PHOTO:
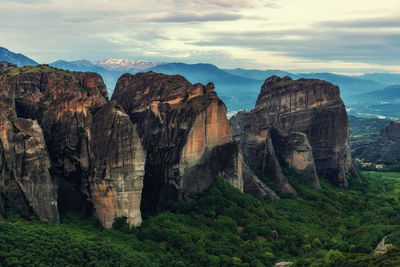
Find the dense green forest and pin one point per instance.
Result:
(224, 227)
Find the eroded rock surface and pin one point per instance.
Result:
(51, 122)
(116, 182)
(24, 160)
(296, 151)
(303, 109)
(254, 186)
(185, 133)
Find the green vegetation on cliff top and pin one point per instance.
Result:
(224, 227)
(27, 69)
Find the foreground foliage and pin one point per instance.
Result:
(224, 227)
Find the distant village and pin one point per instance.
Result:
(369, 164)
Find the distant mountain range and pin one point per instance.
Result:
(17, 59)
(385, 102)
(125, 65)
(239, 88)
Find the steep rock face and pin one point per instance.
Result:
(296, 151)
(2, 213)
(62, 105)
(307, 106)
(24, 161)
(254, 186)
(385, 147)
(185, 133)
(258, 149)
(116, 182)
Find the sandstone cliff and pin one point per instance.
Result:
(309, 127)
(24, 160)
(384, 147)
(185, 133)
(116, 182)
(51, 123)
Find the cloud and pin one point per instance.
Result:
(222, 32)
(182, 17)
(382, 22)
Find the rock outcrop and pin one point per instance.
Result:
(185, 133)
(384, 147)
(382, 247)
(305, 120)
(51, 124)
(295, 150)
(254, 186)
(2, 213)
(24, 160)
(116, 182)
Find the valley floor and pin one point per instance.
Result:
(224, 227)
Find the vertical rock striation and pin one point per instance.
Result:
(116, 182)
(24, 160)
(51, 122)
(309, 114)
(185, 133)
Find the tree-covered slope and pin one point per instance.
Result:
(225, 227)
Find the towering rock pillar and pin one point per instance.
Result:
(310, 114)
(185, 133)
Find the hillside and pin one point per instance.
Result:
(223, 227)
(390, 94)
(365, 128)
(14, 58)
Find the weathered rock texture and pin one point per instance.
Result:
(185, 133)
(306, 113)
(2, 212)
(116, 182)
(24, 161)
(254, 186)
(296, 151)
(385, 147)
(382, 247)
(51, 122)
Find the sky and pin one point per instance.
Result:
(341, 36)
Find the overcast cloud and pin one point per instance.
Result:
(297, 35)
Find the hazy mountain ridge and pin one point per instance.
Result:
(238, 88)
(14, 58)
(384, 103)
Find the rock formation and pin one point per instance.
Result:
(185, 133)
(116, 183)
(384, 147)
(24, 161)
(1, 208)
(254, 186)
(305, 120)
(382, 247)
(51, 122)
(65, 146)
(296, 151)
